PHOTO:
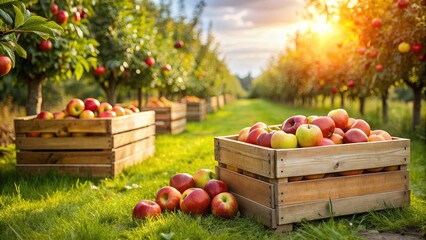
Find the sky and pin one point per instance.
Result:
(250, 32)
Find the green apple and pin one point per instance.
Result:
(309, 135)
(280, 139)
(202, 176)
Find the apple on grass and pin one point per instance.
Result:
(326, 124)
(340, 117)
(291, 124)
(91, 104)
(202, 176)
(75, 107)
(146, 209)
(281, 139)
(224, 205)
(309, 135)
(168, 198)
(214, 187)
(242, 135)
(182, 181)
(195, 201)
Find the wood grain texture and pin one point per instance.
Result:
(265, 215)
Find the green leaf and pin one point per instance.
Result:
(6, 17)
(20, 51)
(79, 70)
(19, 17)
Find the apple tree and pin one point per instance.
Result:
(68, 56)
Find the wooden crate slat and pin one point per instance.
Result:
(64, 157)
(341, 187)
(342, 157)
(133, 159)
(178, 111)
(64, 143)
(133, 136)
(257, 160)
(342, 206)
(196, 111)
(81, 170)
(256, 190)
(124, 151)
(220, 101)
(266, 216)
(132, 121)
(30, 124)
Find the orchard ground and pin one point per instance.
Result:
(64, 207)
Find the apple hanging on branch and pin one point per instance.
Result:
(5, 65)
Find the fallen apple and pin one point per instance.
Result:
(202, 176)
(214, 187)
(224, 205)
(182, 181)
(146, 209)
(195, 201)
(168, 198)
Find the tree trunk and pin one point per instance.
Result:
(342, 100)
(34, 97)
(110, 92)
(417, 107)
(362, 105)
(385, 107)
(332, 101)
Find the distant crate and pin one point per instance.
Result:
(269, 183)
(170, 120)
(220, 101)
(229, 98)
(99, 147)
(212, 104)
(196, 111)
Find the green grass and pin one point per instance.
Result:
(51, 206)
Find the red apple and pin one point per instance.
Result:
(351, 84)
(33, 134)
(254, 134)
(54, 8)
(403, 4)
(264, 139)
(149, 61)
(202, 176)
(133, 108)
(362, 50)
(107, 114)
(242, 135)
(91, 104)
(166, 68)
(340, 117)
(99, 71)
(62, 17)
(373, 54)
(59, 115)
(311, 118)
(421, 58)
(168, 198)
(348, 126)
(326, 124)
(178, 44)
(119, 110)
(182, 181)
(224, 205)
(363, 125)
(416, 48)
(339, 131)
(355, 135)
(104, 106)
(214, 187)
(308, 135)
(75, 107)
(336, 138)
(87, 114)
(45, 45)
(77, 16)
(5, 65)
(334, 90)
(45, 115)
(281, 139)
(146, 209)
(382, 133)
(258, 125)
(379, 67)
(326, 142)
(291, 124)
(195, 201)
(376, 23)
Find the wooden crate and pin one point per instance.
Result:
(170, 120)
(263, 179)
(196, 111)
(104, 147)
(220, 101)
(212, 104)
(229, 98)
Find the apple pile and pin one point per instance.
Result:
(159, 102)
(87, 109)
(196, 195)
(302, 131)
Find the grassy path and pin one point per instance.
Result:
(60, 207)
